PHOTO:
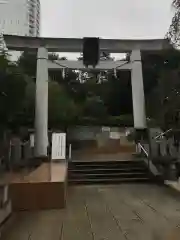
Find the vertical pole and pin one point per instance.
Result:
(41, 111)
(138, 91)
(70, 151)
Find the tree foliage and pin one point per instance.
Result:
(12, 91)
(71, 100)
(174, 30)
(94, 107)
(161, 79)
(27, 63)
(62, 109)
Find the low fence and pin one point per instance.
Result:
(17, 153)
(21, 153)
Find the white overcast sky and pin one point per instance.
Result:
(105, 18)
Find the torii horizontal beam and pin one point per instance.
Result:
(20, 43)
(103, 65)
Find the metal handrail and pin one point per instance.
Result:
(163, 134)
(144, 150)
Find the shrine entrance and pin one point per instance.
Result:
(43, 45)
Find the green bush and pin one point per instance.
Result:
(120, 121)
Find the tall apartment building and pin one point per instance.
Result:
(20, 17)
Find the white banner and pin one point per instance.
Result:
(58, 146)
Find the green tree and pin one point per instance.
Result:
(12, 91)
(174, 30)
(95, 108)
(161, 80)
(27, 115)
(27, 62)
(62, 109)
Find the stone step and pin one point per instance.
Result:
(110, 181)
(104, 171)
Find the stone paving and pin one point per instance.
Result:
(117, 212)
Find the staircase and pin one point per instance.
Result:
(108, 172)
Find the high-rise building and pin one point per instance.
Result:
(20, 17)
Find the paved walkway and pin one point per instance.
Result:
(121, 212)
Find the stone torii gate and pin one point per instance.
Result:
(43, 45)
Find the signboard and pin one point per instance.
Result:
(58, 146)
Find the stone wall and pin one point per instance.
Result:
(104, 139)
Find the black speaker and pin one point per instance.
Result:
(90, 51)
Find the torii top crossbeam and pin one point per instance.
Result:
(20, 43)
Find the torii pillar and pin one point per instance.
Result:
(138, 91)
(41, 105)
